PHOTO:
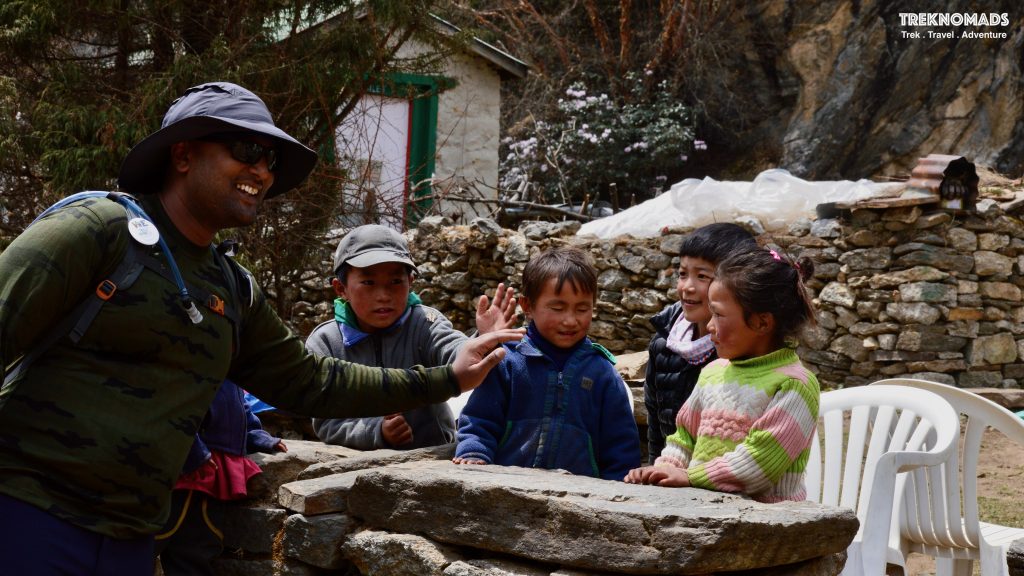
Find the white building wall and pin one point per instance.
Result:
(468, 134)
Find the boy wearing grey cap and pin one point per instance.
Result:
(380, 321)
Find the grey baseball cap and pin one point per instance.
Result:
(208, 109)
(372, 244)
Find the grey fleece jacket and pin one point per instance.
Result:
(426, 338)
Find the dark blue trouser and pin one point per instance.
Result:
(32, 541)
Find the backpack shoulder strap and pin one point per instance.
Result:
(240, 281)
(137, 256)
(69, 200)
(78, 320)
(240, 285)
(122, 277)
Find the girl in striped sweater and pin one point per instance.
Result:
(747, 426)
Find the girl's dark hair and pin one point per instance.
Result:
(766, 280)
(565, 263)
(715, 242)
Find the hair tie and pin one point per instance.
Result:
(775, 255)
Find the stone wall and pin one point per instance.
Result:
(919, 292)
(458, 263)
(909, 291)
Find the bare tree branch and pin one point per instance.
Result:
(625, 35)
(608, 62)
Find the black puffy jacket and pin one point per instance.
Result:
(668, 382)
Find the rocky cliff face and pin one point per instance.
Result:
(842, 89)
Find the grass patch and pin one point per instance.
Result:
(1005, 511)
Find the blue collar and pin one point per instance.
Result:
(540, 344)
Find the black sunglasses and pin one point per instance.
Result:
(245, 151)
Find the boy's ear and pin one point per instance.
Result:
(525, 305)
(763, 323)
(339, 288)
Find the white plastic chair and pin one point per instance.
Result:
(939, 516)
(867, 436)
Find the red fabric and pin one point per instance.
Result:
(223, 476)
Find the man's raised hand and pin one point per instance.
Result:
(478, 355)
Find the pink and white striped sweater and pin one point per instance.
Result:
(747, 427)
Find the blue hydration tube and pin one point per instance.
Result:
(135, 211)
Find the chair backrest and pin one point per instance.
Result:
(940, 505)
(868, 435)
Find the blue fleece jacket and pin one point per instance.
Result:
(229, 427)
(527, 413)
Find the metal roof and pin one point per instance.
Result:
(504, 61)
(506, 64)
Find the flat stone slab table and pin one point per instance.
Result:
(590, 524)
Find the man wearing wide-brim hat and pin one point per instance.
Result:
(96, 426)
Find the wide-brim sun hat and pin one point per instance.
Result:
(211, 108)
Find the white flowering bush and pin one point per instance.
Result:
(592, 141)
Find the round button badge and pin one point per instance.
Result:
(143, 231)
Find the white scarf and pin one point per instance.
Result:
(682, 339)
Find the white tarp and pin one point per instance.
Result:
(776, 198)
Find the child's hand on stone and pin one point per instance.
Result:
(396, 430)
(669, 476)
(459, 460)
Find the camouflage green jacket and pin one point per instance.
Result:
(96, 432)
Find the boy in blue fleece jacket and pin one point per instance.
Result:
(555, 401)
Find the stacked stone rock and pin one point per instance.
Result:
(458, 263)
(916, 292)
(909, 291)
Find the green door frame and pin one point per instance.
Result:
(422, 91)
